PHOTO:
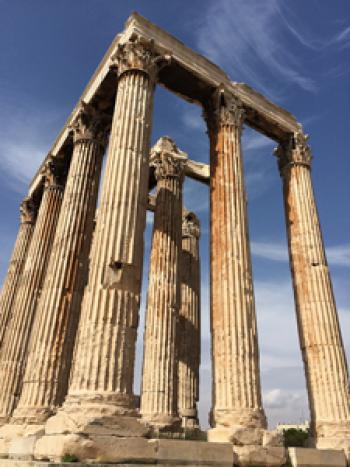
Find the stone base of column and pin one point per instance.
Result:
(189, 419)
(136, 451)
(68, 433)
(31, 416)
(333, 435)
(229, 425)
(4, 421)
(197, 454)
(88, 420)
(101, 404)
(162, 425)
(19, 440)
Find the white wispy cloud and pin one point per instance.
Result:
(246, 37)
(25, 137)
(270, 251)
(262, 43)
(193, 119)
(337, 255)
(257, 154)
(254, 141)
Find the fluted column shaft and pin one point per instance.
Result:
(105, 349)
(236, 377)
(159, 376)
(188, 339)
(19, 254)
(13, 354)
(46, 376)
(319, 331)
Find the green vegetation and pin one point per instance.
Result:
(69, 458)
(295, 437)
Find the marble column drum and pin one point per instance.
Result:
(13, 354)
(236, 376)
(188, 333)
(319, 331)
(101, 382)
(28, 211)
(46, 377)
(159, 374)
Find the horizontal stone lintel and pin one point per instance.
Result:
(191, 76)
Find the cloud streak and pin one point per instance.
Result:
(25, 138)
(262, 43)
(337, 255)
(248, 37)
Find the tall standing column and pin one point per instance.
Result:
(13, 354)
(320, 336)
(46, 376)
(102, 378)
(188, 339)
(236, 377)
(8, 293)
(159, 375)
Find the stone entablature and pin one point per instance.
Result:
(261, 113)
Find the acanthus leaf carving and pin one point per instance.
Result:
(139, 54)
(54, 172)
(190, 225)
(224, 109)
(90, 124)
(28, 211)
(167, 159)
(295, 151)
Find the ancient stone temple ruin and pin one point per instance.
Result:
(70, 301)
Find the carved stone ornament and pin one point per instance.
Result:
(167, 159)
(90, 124)
(224, 109)
(28, 211)
(139, 54)
(190, 225)
(54, 172)
(294, 152)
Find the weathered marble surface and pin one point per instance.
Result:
(321, 342)
(159, 402)
(13, 353)
(236, 377)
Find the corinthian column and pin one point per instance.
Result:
(159, 376)
(188, 341)
(46, 376)
(19, 254)
(101, 382)
(320, 336)
(13, 354)
(236, 379)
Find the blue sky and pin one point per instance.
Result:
(297, 53)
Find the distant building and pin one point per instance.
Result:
(298, 426)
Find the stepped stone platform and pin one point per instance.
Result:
(173, 453)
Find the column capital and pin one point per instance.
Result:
(139, 54)
(190, 225)
(295, 151)
(91, 125)
(54, 172)
(224, 109)
(167, 159)
(28, 211)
